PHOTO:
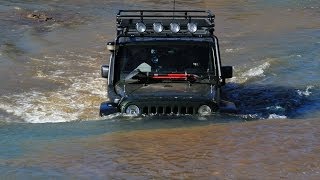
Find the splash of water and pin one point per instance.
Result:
(78, 97)
(80, 101)
(306, 92)
(243, 76)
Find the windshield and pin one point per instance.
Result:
(165, 58)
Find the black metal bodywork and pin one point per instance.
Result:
(169, 96)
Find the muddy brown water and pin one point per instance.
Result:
(247, 150)
(50, 91)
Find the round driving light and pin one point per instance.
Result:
(133, 110)
(174, 27)
(157, 27)
(204, 110)
(141, 27)
(192, 27)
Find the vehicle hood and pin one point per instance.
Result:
(165, 90)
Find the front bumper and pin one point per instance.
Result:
(168, 107)
(161, 106)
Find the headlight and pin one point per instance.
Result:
(133, 110)
(192, 27)
(174, 27)
(141, 27)
(204, 110)
(157, 27)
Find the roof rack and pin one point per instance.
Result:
(128, 20)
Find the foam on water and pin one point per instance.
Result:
(78, 97)
(306, 92)
(256, 71)
(243, 75)
(230, 50)
(17, 8)
(80, 101)
(275, 116)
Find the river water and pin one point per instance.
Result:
(50, 92)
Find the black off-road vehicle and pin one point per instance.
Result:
(165, 62)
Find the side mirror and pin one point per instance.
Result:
(104, 71)
(111, 46)
(226, 72)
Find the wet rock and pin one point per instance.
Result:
(40, 17)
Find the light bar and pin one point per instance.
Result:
(169, 22)
(174, 27)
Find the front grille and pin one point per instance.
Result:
(169, 109)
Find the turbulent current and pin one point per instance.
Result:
(50, 92)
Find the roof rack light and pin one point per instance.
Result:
(141, 27)
(192, 27)
(174, 27)
(157, 27)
